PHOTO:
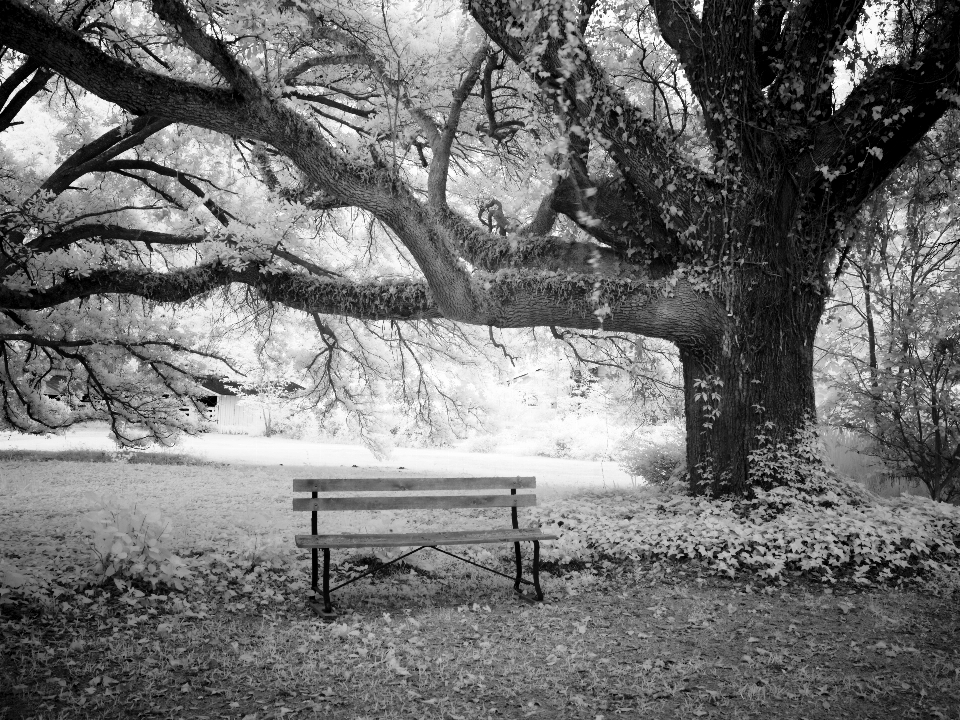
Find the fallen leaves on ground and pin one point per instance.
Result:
(467, 648)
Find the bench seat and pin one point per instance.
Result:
(426, 539)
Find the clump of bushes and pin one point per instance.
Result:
(836, 531)
(131, 551)
(130, 545)
(651, 454)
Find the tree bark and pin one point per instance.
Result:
(750, 392)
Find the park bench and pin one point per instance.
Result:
(342, 494)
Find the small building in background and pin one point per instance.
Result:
(231, 410)
(237, 411)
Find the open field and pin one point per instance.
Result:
(639, 639)
(246, 450)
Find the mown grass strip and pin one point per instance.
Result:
(102, 456)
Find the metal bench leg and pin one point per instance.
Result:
(325, 611)
(327, 607)
(516, 585)
(536, 569)
(314, 574)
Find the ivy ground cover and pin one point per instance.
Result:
(642, 634)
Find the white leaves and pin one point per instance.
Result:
(129, 543)
(10, 577)
(787, 530)
(394, 665)
(829, 174)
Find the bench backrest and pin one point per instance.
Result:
(415, 500)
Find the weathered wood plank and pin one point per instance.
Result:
(460, 537)
(411, 483)
(417, 502)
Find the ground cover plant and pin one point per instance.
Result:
(628, 630)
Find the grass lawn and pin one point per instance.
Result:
(645, 639)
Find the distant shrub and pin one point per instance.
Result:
(164, 458)
(652, 453)
(480, 444)
(129, 545)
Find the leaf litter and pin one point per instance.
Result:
(658, 640)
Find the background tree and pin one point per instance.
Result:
(707, 213)
(897, 313)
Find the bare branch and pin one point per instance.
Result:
(222, 216)
(328, 102)
(325, 61)
(109, 145)
(441, 145)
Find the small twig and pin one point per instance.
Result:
(501, 347)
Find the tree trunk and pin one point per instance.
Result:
(749, 396)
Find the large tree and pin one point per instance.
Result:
(707, 160)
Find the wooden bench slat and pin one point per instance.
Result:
(416, 502)
(460, 537)
(411, 483)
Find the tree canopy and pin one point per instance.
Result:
(678, 170)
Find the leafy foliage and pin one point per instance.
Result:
(129, 545)
(837, 531)
(892, 346)
(653, 454)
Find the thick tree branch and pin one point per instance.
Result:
(184, 179)
(616, 218)
(730, 98)
(812, 34)
(139, 91)
(291, 75)
(520, 300)
(37, 83)
(263, 119)
(109, 145)
(214, 51)
(768, 48)
(886, 115)
(16, 78)
(443, 142)
(48, 242)
(328, 102)
(578, 87)
(374, 301)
